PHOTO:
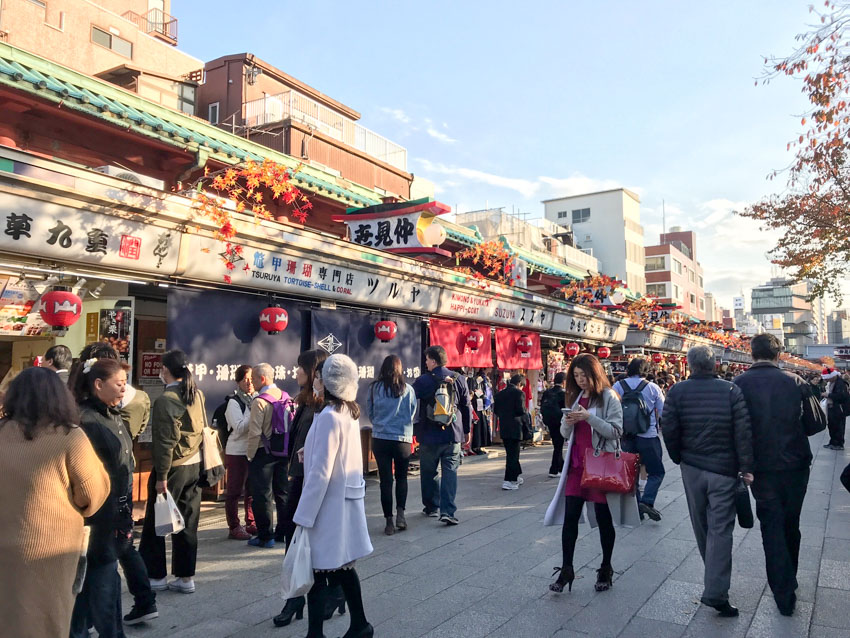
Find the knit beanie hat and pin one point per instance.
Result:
(340, 377)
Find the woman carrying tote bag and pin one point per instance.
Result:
(594, 421)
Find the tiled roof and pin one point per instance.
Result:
(98, 98)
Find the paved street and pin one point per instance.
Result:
(489, 576)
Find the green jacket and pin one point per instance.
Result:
(137, 413)
(177, 431)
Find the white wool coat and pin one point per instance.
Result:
(606, 421)
(332, 502)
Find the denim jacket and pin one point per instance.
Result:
(392, 417)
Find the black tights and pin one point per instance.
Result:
(569, 533)
(350, 583)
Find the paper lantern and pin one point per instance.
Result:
(474, 339)
(385, 330)
(673, 358)
(524, 345)
(657, 357)
(274, 319)
(573, 349)
(604, 352)
(60, 308)
(618, 297)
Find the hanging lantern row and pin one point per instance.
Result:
(60, 308)
(474, 339)
(274, 319)
(604, 352)
(385, 330)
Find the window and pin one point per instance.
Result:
(676, 292)
(581, 215)
(186, 98)
(691, 276)
(693, 299)
(656, 263)
(677, 266)
(700, 282)
(657, 290)
(39, 3)
(563, 214)
(212, 113)
(112, 41)
(702, 304)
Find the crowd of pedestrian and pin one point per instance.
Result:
(67, 432)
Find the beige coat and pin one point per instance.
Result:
(49, 484)
(606, 421)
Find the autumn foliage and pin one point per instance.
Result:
(491, 261)
(814, 213)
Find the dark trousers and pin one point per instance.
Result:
(651, 458)
(512, 467)
(389, 453)
(779, 500)
(237, 479)
(98, 605)
(286, 526)
(557, 465)
(136, 575)
(481, 432)
(837, 423)
(325, 586)
(267, 478)
(184, 489)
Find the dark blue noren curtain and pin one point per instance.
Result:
(353, 333)
(221, 330)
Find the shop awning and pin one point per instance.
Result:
(452, 335)
(509, 350)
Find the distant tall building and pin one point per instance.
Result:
(838, 327)
(674, 275)
(713, 311)
(606, 225)
(782, 304)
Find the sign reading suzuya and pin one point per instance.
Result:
(406, 227)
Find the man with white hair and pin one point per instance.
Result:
(267, 472)
(706, 428)
(837, 397)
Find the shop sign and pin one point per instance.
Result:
(589, 327)
(398, 227)
(116, 329)
(43, 229)
(151, 366)
(841, 353)
(17, 316)
(454, 303)
(656, 340)
(311, 277)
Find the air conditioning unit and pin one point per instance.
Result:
(130, 176)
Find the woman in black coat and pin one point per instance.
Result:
(509, 408)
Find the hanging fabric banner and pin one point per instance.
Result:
(518, 350)
(467, 344)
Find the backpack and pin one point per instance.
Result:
(550, 405)
(219, 421)
(283, 413)
(636, 414)
(441, 409)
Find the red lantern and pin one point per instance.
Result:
(604, 352)
(524, 345)
(657, 357)
(274, 319)
(673, 359)
(60, 308)
(573, 349)
(474, 339)
(385, 330)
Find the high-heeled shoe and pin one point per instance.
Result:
(333, 604)
(566, 577)
(367, 631)
(603, 578)
(294, 607)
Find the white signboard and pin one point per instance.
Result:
(391, 232)
(737, 303)
(655, 339)
(35, 227)
(580, 326)
(315, 278)
(455, 303)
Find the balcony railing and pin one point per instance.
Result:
(156, 23)
(298, 107)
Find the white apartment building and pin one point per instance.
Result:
(606, 224)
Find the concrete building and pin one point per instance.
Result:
(131, 43)
(712, 308)
(674, 275)
(784, 304)
(838, 327)
(606, 225)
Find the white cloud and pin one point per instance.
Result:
(525, 187)
(439, 135)
(397, 114)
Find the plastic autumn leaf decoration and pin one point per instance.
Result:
(814, 214)
(244, 189)
(490, 261)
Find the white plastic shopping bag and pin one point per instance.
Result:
(297, 577)
(167, 518)
(824, 406)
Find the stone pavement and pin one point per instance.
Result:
(489, 576)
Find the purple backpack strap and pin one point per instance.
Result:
(263, 438)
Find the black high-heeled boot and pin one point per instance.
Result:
(335, 601)
(364, 632)
(603, 578)
(566, 577)
(294, 607)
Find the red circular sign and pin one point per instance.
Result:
(385, 330)
(60, 308)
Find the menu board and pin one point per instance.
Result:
(18, 312)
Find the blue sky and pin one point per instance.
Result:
(506, 104)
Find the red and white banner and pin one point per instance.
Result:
(511, 357)
(452, 335)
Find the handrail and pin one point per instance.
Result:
(155, 21)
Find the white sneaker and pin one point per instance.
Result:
(520, 480)
(183, 586)
(159, 584)
(555, 475)
(510, 485)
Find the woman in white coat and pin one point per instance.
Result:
(595, 419)
(332, 508)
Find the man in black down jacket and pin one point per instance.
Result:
(707, 431)
(509, 408)
(780, 412)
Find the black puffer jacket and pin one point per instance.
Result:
(706, 425)
(775, 403)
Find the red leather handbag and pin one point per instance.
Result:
(610, 471)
